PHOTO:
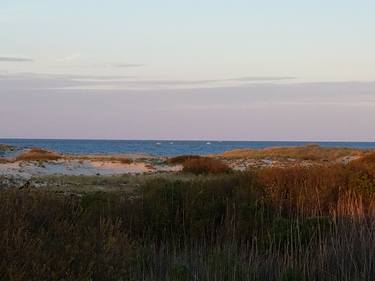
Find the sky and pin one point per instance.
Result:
(217, 70)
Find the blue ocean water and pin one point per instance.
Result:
(161, 147)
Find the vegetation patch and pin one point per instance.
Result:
(38, 154)
(308, 152)
(109, 158)
(6, 147)
(295, 223)
(205, 165)
(182, 158)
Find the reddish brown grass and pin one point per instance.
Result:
(182, 158)
(205, 165)
(37, 154)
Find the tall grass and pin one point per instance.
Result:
(306, 223)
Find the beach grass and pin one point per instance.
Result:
(308, 152)
(38, 154)
(296, 223)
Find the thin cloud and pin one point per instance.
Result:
(263, 78)
(15, 59)
(124, 65)
(70, 58)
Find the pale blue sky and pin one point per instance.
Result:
(250, 70)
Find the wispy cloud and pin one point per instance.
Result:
(124, 65)
(125, 82)
(15, 59)
(70, 58)
(263, 78)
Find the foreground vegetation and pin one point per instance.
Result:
(297, 223)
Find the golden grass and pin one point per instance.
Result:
(309, 152)
(368, 158)
(37, 154)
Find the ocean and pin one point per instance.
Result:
(161, 147)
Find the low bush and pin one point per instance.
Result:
(205, 165)
(182, 158)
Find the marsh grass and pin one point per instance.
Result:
(299, 223)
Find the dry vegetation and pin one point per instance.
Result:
(5, 147)
(200, 165)
(37, 154)
(297, 223)
(205, 165)
(107, 158)
(181, 159)
(309, 152)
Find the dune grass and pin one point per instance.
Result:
(297, 223)
(309, 152)
(38, 154)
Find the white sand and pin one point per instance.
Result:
(79, 167)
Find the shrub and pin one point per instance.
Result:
(205, 165)
(182, 158)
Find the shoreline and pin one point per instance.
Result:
(24, 165)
